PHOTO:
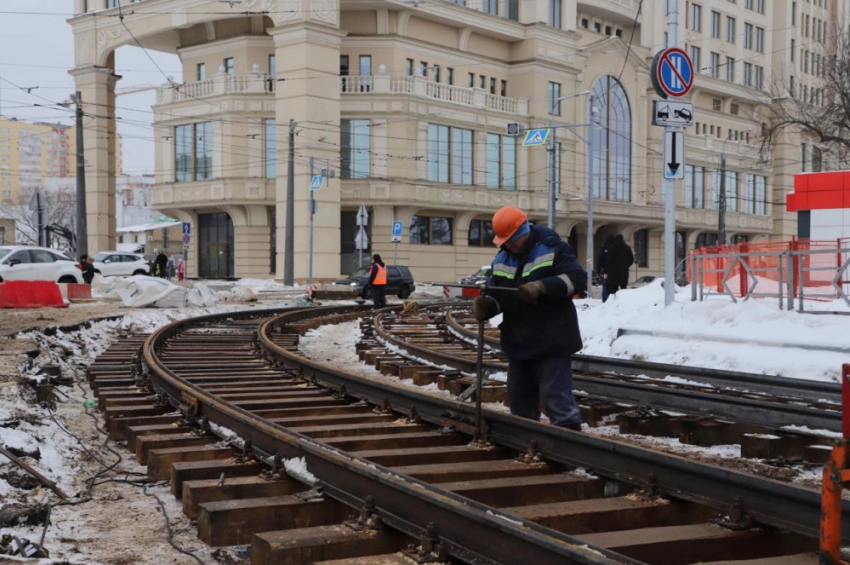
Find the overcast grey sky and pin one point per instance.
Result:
(36, 49)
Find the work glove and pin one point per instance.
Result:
(531, 292)
(484, 308)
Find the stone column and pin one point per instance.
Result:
(97, 88)
(307, 44)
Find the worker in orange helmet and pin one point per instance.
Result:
(539, 329)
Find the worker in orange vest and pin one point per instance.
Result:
(378, 281)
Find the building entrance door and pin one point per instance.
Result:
(215, 238)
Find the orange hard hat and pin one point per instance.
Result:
(506, 221)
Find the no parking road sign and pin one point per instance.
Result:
(672, 73)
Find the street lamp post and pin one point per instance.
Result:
(591, 134)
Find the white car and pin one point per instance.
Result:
(120, 264)
(21, 263)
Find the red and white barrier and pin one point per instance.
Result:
(71, 292)
(31, 294)
(455, 292)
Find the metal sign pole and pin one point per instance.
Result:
(591, 131)
(310, 252)
(670, 185)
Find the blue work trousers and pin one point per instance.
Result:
(549, 379)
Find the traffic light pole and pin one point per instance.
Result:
(670, 184)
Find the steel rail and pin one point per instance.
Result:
(745, 382)
(768, 501)
(471, 532)
(748, 407)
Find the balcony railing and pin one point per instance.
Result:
(417, 86)
(219, 85)
(423, 88)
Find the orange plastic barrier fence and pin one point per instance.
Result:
(763, 260)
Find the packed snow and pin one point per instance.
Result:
(755, 319)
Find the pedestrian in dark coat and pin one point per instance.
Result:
(621, 260)
(539, 329)
(603, 265)
(378, 282)
(88, 268)
(162, 264)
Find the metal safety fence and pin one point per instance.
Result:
(808, 275)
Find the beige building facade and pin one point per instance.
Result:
(408, 103)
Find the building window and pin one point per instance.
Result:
(365, 73)
(555, 7)
(748, 74)
(761, 195)
(461, 150)
(730, 29)
(202, 71)
(501, 161)
(408, 67)
(748, 199)
(431, 230)
(228, 65)
(760, 40)
(272, 66)
(480, 233)
(449, 155)
(694, 186)
(193, 152)
(612, 143)
(344, 67)
(642, 248)
(271, 148)
(482, 81)
(504, 90)
(471, 80)
(817, 159)
(490, 6)
(585, 23)
(748, 36)
(731, 191)
(554, 98)
(437, 73)
(450, 76)
(696, 17)
(355, 149)
(696, 57)
(730, 69)
(715, 65)
(715, 25)
(759, 77)
(492, 85)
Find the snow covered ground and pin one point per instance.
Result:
(753, 320)
(122, 524)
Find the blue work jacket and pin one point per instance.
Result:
(549, 328)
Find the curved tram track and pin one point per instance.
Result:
(402, 461)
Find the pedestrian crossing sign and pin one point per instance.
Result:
(535, 137)
(317, 182)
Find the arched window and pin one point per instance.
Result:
(612, 154)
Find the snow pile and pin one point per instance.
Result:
(297, 468)
(142, 290)
(239, 294)
(719, 317)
